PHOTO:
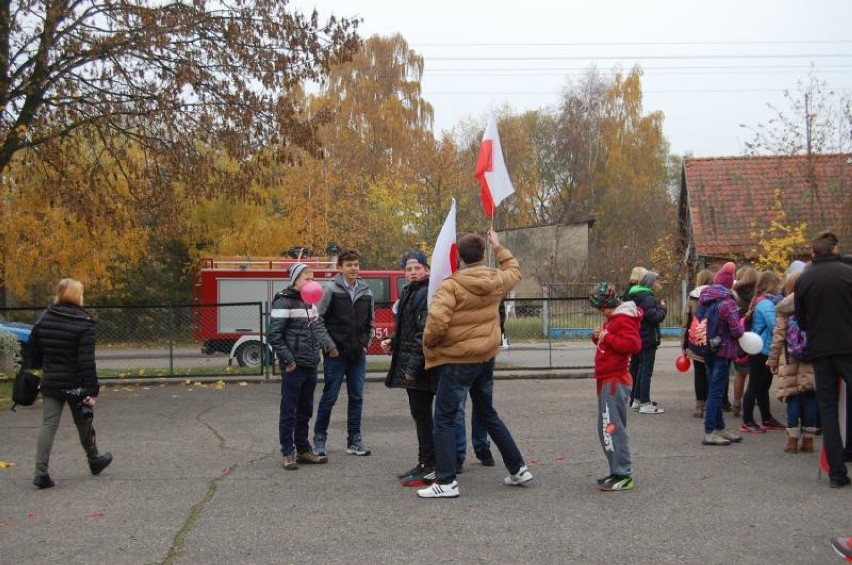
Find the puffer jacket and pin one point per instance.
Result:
(344, 323)
(463, 325)
(654, 314)
(407, 344)
(63, 344)
(292, 330)
(763, 319)
(621, 340)
(794, 376)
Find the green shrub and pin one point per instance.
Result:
(10, 352)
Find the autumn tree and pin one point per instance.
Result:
(159, 72)
(366, 180)
(129, 109)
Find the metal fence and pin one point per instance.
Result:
(220, 340)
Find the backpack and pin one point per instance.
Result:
(706, 328)
(24, 389)
(696, 339)
(797, 340)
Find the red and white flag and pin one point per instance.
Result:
(444, 257)
(494, 182)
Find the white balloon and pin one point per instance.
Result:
(751, 343)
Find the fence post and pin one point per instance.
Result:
(172, 343)
(545, 311)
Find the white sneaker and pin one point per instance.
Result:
(636, 405)
(440, 491)
(519, 479)
(650, 408)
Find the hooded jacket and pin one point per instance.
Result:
(407, 356)
(620, 341)
(729, 329)
(63, 345)
(292, 330)
(654, 314)
(794, 376)
(463, 325)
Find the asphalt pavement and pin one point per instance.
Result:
(197, 479)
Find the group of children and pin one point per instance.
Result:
(763, 304)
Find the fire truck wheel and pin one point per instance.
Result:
(249, 354)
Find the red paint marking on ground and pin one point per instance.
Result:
(95, 515)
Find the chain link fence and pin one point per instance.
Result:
(220, 340)
(173, 341)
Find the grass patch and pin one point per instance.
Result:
(6, 392)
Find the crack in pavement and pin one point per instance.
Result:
(198, 507)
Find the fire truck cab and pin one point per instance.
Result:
(221, 284)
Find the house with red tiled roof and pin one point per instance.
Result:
(727, 202)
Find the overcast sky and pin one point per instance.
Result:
(709, 66)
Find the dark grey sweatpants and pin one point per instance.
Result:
(612, 428)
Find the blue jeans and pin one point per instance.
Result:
(297, 405)
(642, 369)
(334, 370)
(478, 433)
(718, 369)
(456, 381)
(802, 408)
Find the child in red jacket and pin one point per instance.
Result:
(616, 339)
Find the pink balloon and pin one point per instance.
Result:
(311, 292)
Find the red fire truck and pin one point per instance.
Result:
(222, 282)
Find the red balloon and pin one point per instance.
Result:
(683, 363)
(311, 292)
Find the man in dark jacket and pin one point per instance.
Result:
(407, 364)
(642, 365)
(345, 329)
(293, 338)
(823, 303)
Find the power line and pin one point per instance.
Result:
(631, 43)
(640, 57)
(427, 93)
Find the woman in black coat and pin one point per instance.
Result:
(63, 345)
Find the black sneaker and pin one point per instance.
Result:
(617, 483)
(410, 471)
(424, 477)
(43, 481)
(838, 483)
(100, 463)
(602, 480)
(485, 457)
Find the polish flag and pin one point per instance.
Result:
(444, 258)
(494, 182)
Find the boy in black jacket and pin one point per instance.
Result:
(293, 338)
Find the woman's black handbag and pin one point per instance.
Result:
(25, 389)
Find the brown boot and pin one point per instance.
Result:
(808, 441)
(792, 445)
(699, 409)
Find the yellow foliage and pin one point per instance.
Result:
(780, 242)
